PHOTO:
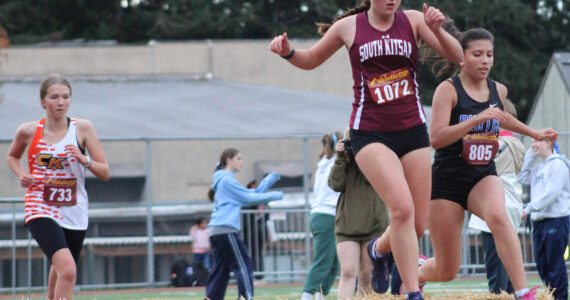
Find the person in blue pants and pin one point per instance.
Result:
(547, 172)
(230, 252)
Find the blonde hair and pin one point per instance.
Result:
(329, 142)
(347, 153)
(510, 108)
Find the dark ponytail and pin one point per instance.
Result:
(228, 153)
(440, 65)
(211, 194)
(363, 6)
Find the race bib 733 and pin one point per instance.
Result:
(60, 191)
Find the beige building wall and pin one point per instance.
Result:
(253, 62)
(186, 172)
(245, 61)
(163, 59)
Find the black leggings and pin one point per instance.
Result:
(51, 237)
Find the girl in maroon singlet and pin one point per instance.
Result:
(467, 111)
(389, 137)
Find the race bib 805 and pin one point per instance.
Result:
(480, 148)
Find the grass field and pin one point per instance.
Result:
(458, 287)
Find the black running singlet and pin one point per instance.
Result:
(465, 109)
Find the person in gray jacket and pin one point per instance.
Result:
(547, 172)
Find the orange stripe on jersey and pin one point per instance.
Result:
(34, 201)
(61, 154)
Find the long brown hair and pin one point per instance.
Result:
(440, 65)
(363, 6)
(228, 153)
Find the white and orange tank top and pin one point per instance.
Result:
(58, 191)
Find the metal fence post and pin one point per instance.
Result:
(29, 265)
(210, 73)
(149, 219)
(13, 250)
(46, 266)
(306, 192)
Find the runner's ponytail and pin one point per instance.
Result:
(363, 6)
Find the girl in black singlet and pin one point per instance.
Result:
(467, 111)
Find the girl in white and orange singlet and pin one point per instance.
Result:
(388, 131)
(56, 200)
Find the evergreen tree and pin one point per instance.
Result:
(527, 32)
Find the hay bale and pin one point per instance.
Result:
(468, 295)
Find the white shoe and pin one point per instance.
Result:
(306, 296)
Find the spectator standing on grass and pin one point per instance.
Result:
(230, 252)
(547, 172)
(360, 216)
(201, 243)
(324, 268)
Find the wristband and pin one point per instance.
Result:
(89, 162)
(290, 55)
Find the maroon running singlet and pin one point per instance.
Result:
(384, 70)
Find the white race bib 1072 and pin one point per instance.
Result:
(391, 86)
